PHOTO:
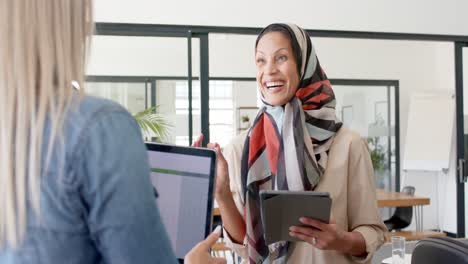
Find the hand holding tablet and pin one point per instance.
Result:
(282, 209)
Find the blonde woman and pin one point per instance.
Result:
(74, 178)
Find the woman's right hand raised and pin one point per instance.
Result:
(222, 190)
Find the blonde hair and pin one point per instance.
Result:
(42, 50)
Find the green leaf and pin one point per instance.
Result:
(153, 124)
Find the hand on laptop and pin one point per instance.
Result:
(200, 254)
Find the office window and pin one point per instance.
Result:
(370, 110)
(221, 110)
(132, 95)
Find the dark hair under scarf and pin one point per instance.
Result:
(289, 35)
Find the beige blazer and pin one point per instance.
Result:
(349, 178)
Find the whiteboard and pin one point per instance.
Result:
(429, 132)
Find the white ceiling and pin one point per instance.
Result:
(406, 16)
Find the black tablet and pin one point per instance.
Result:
(282, 209)
(183, 178)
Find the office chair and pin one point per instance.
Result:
(440, 250)
(402, 216)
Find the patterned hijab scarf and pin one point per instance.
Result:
(287, 146)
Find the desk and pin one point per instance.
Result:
(414, 235)
(216, 211)
(396, 199)
(390, 259)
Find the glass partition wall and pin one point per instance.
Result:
(370, 108)
(123, 69)
(127, 69)
(148, 65)
(140, 72)
(133, 93)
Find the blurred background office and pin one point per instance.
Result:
(193, 62)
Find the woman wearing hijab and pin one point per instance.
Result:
(297, 143)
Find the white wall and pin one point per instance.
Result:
(141, 56)
(232, 55)
(415, 16)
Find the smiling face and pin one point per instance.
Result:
(277, 74)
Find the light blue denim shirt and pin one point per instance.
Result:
(97, 202)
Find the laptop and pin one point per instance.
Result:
(183, 179)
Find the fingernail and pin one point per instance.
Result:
(217, 230)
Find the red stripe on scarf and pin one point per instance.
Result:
(318, 98)
(272, 143)
(256, 141)
(305, 91)
(263, 134)
(324, 95)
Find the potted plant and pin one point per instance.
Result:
(379, 161)
(379, 155)
(153, 125)
(245, 122)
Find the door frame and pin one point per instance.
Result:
(462, 171)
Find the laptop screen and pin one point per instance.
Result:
(183, 179)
